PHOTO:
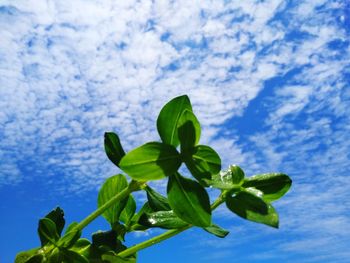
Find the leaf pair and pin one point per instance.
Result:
(154, 160)
(250, 198)
(176, 125)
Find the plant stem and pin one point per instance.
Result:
(132, 187)
(168, 234)
(152, 241)
(219, 200)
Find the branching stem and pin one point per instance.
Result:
(132, 187)
(168, 234)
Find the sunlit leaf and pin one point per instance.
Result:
(203, 163)
(237, 174)
(129, 210)
(169, 116)
(47, 231)
(230, 179)
(151, 161)
(253, 208)
(156, 201)
(216, 230)
(111, 187)
(189, 200)
(272, 185)
(162, 219)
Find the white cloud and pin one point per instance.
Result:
(70, 71)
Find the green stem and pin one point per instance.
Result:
(132, 187)
(152, 241)
(168, 234)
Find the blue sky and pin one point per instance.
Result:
(269, 81)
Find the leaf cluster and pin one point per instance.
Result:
(186, 203)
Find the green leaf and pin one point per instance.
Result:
(273, 185)
(111, 257)
(71, 226)
(82, 246)
(57, 216)
(47, 231)
(156, 201)
(151, 161)
(251, 207)
(120, 230)
(129, 210)
(189, 200)
(135, 226)
(23, 256)
(230, 179)
(144, 209)
(107, 240)
(111, 187)
(36, 259)
(169, 116)
(189, 130)
(237, 174)
(73, 257)
(216, 230)
(113, 147)
(204, 163)
(162, 219)
(69, 238)
(56, 256)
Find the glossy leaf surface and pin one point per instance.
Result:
(227, 180)
(237, 174)
(203, 163)
(217, 231)
(169, 116)
(156, 201)
(47, 231)
(111, 187)
(189, 130)
(162, 219)
(113, 147)
(129, 210)
(273, 185)
(251, 207)
(189, 200)
(151, 161)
